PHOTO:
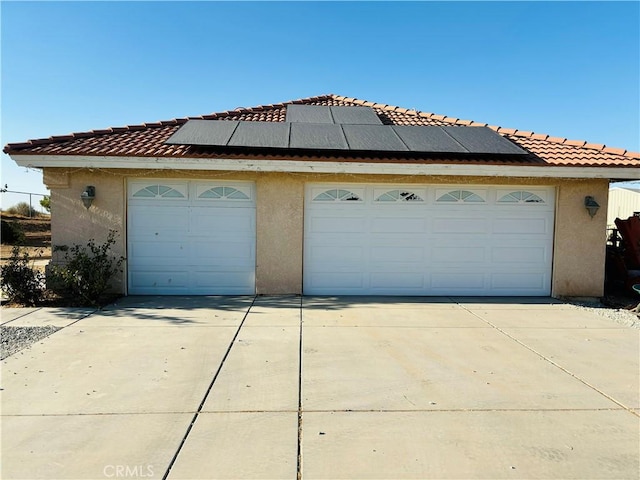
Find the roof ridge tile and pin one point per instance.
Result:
(540, 136)
(617, 151)
(595, 146)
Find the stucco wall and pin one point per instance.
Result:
(279, 218)
(72, 223)
(579, 244)
(580, 241)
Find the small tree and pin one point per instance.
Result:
(46, 203)
(88, 271)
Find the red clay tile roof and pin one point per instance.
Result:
(147, 140)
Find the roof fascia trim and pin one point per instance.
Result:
(297, 166)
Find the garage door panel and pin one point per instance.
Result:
(521, 254)
(337, 225)
(397, 225)
(399, 280)
(519, 226)
(458, 280)
(215, 248)
(170, 218)
(160, 279)
(466, 245)
(397, 254)
(342, 280)
(191, 245)
(229, 280)
(518, 281)
(234, 221)
(344, 255)
(457, 254)
(469, 225)
(163, 253)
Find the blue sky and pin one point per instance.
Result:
(569, 69)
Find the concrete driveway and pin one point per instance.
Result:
(322, 388)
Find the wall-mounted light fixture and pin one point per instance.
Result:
(88, 195)
(591, 205)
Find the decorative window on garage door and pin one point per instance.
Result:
(337, 195)
(459, 196)
(224, 193)
(399, 196)
(520, 196)
(158, 191)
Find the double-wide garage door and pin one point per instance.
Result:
(428, 240)
(191, 237)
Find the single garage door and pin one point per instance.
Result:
(191, 237)
(428, 240)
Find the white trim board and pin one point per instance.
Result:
(297, 166)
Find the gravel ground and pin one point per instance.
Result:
(15, 339)
(618, 315)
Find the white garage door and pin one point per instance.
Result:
(191, 237)
(428, 240)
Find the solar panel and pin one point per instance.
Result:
(203, 132)
(427, 139)
(308, 114)
(483, 140)
(302, 133)
(321, 136)
(373, 137)
(261, 134)
(355, 116)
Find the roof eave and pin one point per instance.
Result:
(304, 166)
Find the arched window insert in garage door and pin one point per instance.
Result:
(337, 195)
(399, 196)
(521, 196)
(229, 193)
(459, 196)
(158, 191)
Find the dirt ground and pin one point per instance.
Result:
(37, 232)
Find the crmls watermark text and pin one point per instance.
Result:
(128, 471)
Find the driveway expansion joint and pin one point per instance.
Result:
(21, 316)
(560, 367)
(300, 354)
(208, 391)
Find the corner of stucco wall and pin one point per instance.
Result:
(580, 241)
(72, 223)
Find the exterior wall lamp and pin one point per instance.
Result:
(591, 205)
(88, 195)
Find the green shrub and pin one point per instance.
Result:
(20, 281)
(24, 209)
(46, 203)
(88, 271)
(12, 233)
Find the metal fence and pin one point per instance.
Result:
(32, 208)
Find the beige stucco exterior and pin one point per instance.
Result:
(579, 241)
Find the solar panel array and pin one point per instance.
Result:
(359, 129)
